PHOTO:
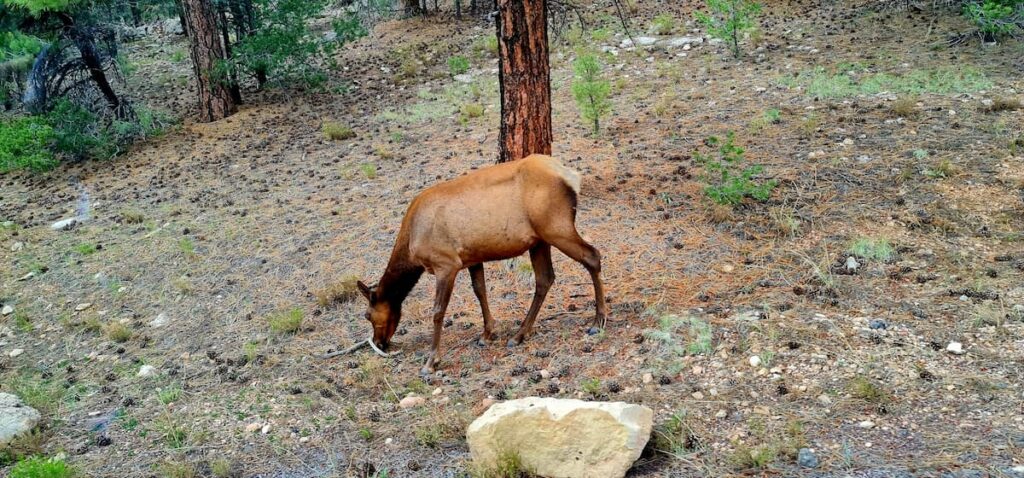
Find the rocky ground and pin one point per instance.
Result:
(176, 327)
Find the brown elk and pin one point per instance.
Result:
(491, 214)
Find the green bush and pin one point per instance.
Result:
(996, 18)
(729, 19)
(14, 44)
(40, 467)
(458, 65)
(25, 143)
(348, 29)
(590, 91)
(78, 134)
(728, 179)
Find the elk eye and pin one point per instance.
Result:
(367, 316)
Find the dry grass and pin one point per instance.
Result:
(338, 292)
(904, 108)
(336, 131)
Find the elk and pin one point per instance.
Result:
(495, 213)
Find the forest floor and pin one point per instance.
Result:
(742, 328)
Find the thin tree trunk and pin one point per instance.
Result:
(215, 99)
(181, 17)
(458, 10)
(86, 45)
(133, 6)
(524, 78)
(236, 94)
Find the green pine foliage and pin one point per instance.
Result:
(728, 178)
(728, 20)
(996, 18)
(24, 144)
(591, 91)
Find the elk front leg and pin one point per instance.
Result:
(445, 284)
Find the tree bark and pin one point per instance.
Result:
(236, 93)
(215, 100)
(411, 8)
(524, 78)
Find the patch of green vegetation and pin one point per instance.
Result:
(600, 35)
(366, 434)
(943, 169)
(458, 65)
(429, 435)
(178, 56)
(486, 46)
(221, 468)
(174, 469)
(471, 110)
(336, 131)
(369, 170)
(86, 249)
(132, 216)
(864, 388)
(728, 180)
(821, 83)
(682, 335)
(876, 249)
(996, 18)
(42, 391)
(591, 386)
(41, 467)
(24, 144)
(22, 322)
(169, 394)
(187, 247)
(286, 322)
(756, 458)
(675, 436)
(663, 24)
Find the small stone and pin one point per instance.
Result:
(389, 441)
(727, 268)
(303, 439)
(16, 418)
(755, 361)
(866, 424)
(65, 224)
(82, 306)
(161, 320)
(437, 391)
(721, 414)
(824, 399)
(486, 403)
(17, 246)
(648, 378)
(545, 374)
(411, 402)
(464, 78)
(252, 427)
(265, 429)
(878, 324)
(852, 264)
(697, 396)
(146, 371)
(7, 310)
(806, 458)
(15, 352)
(848, 142)
(955, 348)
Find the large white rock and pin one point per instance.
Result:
(562, 438)
(15, 418)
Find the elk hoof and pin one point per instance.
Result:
(513, 342)
(593, 330)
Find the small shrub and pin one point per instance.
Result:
(944, 169)
(366, 433)
(458, 65)
(508, 465)
(337, 131)
(996, 18)
(675, 436)
(429, 436)
(369, 170)
(348, 28)
(590, 91)
(591, 386)
(339, 292)
(286, 322)
(864, 388)
(663, 24)
(40, 467)
(728, 180)
(221, 468)
(472, 110)
(904, 108)
(174, 469)
(757, 458)
(22, 322)
(873, 249)
(86, 249)
(728, 20)
(118, 332)
(131, 216)
(1004, 104)
(486, 46)
(600, 35)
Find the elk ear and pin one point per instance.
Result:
(365, 290)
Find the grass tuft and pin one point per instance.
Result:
(337, 131)
(877, 249)
(338, 292)
(41, 467)
(286, 322)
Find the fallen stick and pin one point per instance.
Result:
(357, 346)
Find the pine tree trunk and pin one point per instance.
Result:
(215, 100)
(524, 78)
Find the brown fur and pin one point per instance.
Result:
(495, 213)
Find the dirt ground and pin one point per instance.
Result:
(742, 328)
